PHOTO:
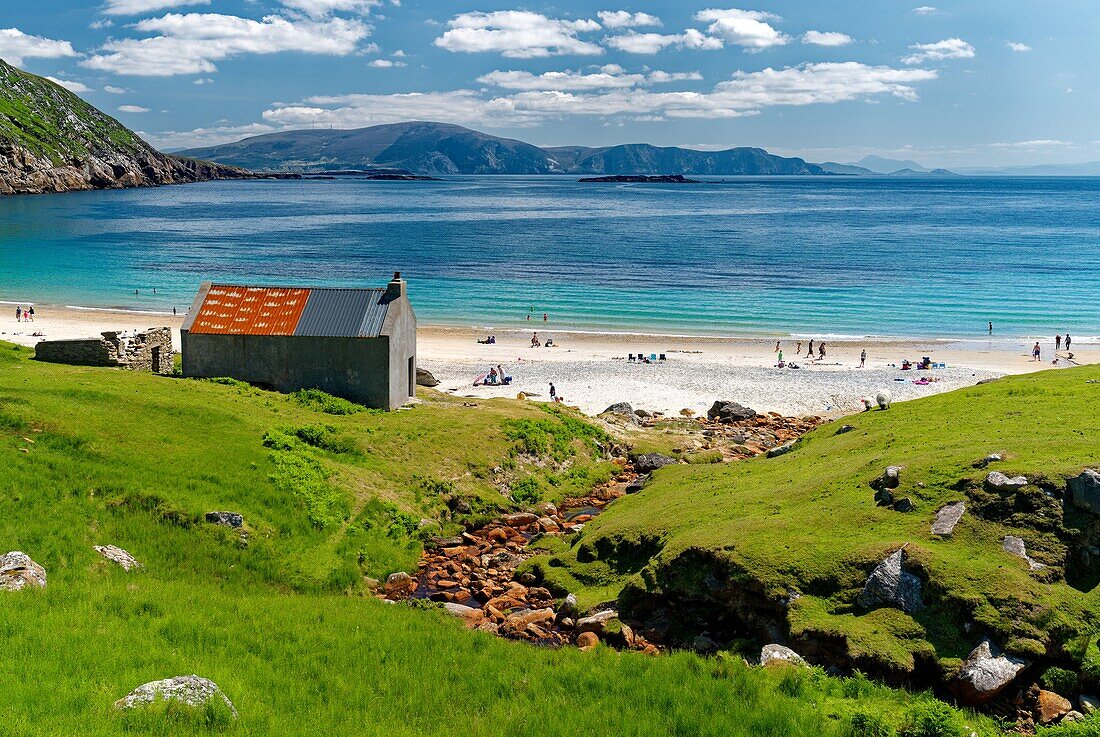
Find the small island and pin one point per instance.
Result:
(643, 179)
(377, 175)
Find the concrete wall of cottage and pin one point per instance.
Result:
(148, 350)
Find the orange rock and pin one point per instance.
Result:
(587, 641)
(1050, 707)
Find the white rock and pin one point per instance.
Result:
(190, 690)
(18, 571)
(118, 555)
(774, 653)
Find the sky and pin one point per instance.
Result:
(957, 83)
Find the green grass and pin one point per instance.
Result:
(280, 619)
(806, 522)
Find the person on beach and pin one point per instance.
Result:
(29, 313)
(776, 347)
(780, 358)
(821, 351)
(173, 310)
(19, 314)
(500, 373)
(1068, 339)
(862, 357)
(1058, 342)
(798, 349)
(810, 353)
(535, 340)
(553, 392)
(1036, 352)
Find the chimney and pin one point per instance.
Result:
(396, 288)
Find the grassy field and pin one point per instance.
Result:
(282, 621)
(806, 522)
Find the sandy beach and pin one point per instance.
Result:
(591, 370)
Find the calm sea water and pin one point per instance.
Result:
(823, 256)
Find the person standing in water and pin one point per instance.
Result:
(991, 327)
(1036, 352)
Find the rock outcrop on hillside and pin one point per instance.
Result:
(53, 141)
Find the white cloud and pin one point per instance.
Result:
(1017, 46)
(322, 8)
(203, 81)
(951, 48)
(70, 85)
(174, 140)
(611, 76)
(926, 10)
(132, 109)
(15, 46)
(114, 90)
(518, 34)
(746, 93)
(747, 28)
(653, 43)
(826, 38)
(100, 24)
(399, 54)
(138, 7)
(385, 64)
(1037, 143)
(625, 19)
(192, 43)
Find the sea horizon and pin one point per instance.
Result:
(833, 258)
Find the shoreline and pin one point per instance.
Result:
(590, 370)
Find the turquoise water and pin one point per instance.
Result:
(822, 256)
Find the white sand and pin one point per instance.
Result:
(590, 370)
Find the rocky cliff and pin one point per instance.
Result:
(53, 141)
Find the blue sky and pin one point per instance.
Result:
(949, 84)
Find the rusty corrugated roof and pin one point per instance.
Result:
(300, 311)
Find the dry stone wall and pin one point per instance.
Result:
(149, 350)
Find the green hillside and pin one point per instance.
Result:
(282, 619)
(54, 123)
(786, 544)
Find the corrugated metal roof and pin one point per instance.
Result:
(240, 310)
(300, 311)
(343, 313)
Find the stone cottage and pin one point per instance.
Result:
(146, 350)
(359, 344)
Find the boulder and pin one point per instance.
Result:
(1088, 704)
(399, 584)
(650, 462)
(781, 449)
(703, 644)
(587, 641)
(1015, 546)
(598, 622)
(424, 378)
(991, 458)
(779, 655)
(947, 517)
(1073, 716)
(1084, 489)
(621, 411)
(468, 614)
(844, 428)
(569, 605)
(637, 484)
(189, 690)
(997, 481)
(726, 411)
(905, 504)
(888, 479)
(520, 519)
(1050, 707)
(118, 555)
(225, 519)
(18, 571)
(884, 497)
(985, 673)
(890, 585)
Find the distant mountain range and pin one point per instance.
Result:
(443, 148)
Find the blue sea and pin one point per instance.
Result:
(836, 256)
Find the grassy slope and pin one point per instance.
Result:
(806, 521)
(131, 459)
(50, 121)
